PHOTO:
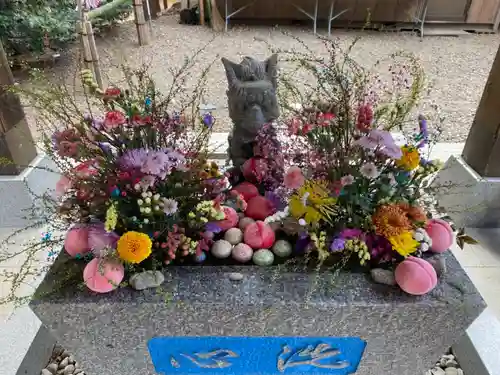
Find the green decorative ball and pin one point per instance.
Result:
(263, 257)
(282, 249)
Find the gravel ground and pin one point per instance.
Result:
(457, 67)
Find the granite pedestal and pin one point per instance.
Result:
(405, 335)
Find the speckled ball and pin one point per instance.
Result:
(242, 253)
(282, 249)
(221, 249)
(244, 222)
(234, 236)
(200, 258)
(263, 257)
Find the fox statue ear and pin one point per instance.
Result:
(233, 72)
(272, 69)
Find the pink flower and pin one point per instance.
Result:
(86, 169)
(294, 178)
(365, 118)
(376, 138)
(114, 119)
(255, 169)
(112, 92)
(62, 186)
(347, 180)
(68, 149)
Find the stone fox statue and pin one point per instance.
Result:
(252, 103)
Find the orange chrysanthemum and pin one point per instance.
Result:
(414, 213)
(134, 247)
(390, 220)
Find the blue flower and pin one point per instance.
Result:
(46, 236)
(148, 102)
(115, 193)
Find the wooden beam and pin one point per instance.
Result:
(201, 7)
(106, 8)
(482, 148)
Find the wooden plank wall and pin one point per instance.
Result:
(380, 10)
(483, 11)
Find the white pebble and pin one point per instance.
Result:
(64, 363)
(282, 248)
(46, 372)
(221, 249)
(236, 276)
(451, 371)
(438, 371)
(68, 370)
(234, 236)
(52, 368)
(263, 257)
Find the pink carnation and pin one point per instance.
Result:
(114, 119)
(294, 178)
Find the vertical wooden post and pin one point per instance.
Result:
(94, 54)
(201, 7)
(87, 54)
(140, 22)
(482, 148)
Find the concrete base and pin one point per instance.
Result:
(469, 199)
(26, 345)
(19, 194)
(477, 351)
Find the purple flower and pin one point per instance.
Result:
(133, 159)
(424, 132)
(156, 163)
(278, 202)
(208, 120)
(382, 140)
(338, 244)
(99, 239)
(380, 248)
(351, 233)
(212, 227)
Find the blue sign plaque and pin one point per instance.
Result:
(256, 355)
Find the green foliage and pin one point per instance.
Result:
(25, 24)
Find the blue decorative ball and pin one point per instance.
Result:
(200, 258)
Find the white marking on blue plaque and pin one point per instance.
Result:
(256, 355)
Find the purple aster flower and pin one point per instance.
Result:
(133, 159)
(380, 248)
(338, 244)
(156, 163)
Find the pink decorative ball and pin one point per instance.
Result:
(259, 235)
(255, 169)
(415, 276)
(259, 208)
(242, 253)
(77, 241)
(441, 234)
(103, 280)
(248, 190)
(231, 219)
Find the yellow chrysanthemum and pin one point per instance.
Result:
(134, 247)
(410, 159)
(312, 202)
(404, 243)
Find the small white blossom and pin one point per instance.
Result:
(147, 210)
(140, 202)
(369, 170)
(144, 194)
(170, 206)
(146, 221)
(147, 200)
(302, 222)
